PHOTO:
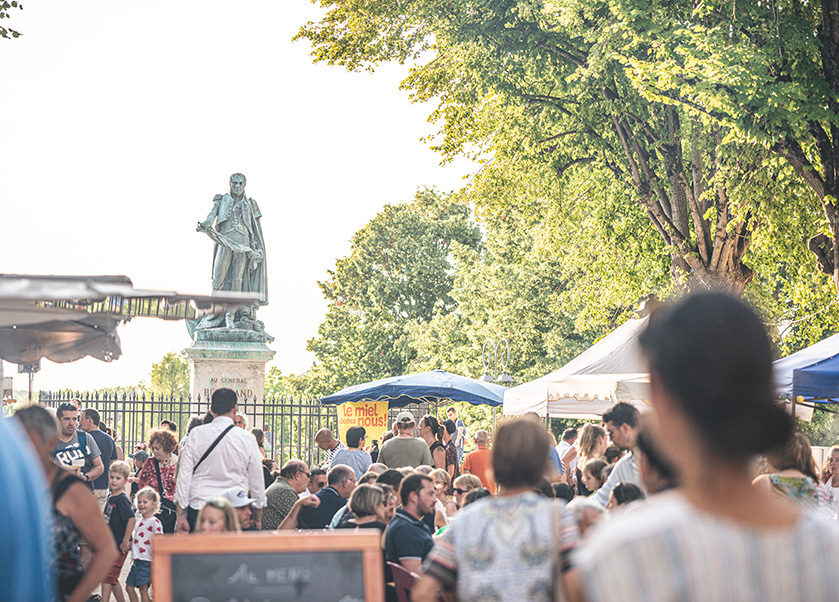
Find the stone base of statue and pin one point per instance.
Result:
(235, 359)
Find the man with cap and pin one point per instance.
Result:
(241, 503)
(404, 449)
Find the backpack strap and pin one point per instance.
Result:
(212, 447)
(83, 446)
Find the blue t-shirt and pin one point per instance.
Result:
(26, 549)
(108, 449)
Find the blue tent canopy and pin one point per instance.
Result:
(427, 387)
(812, 373)
(818, 381)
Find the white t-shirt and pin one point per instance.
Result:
(144, 532)
(666, 549)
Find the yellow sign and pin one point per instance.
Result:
(372, 415)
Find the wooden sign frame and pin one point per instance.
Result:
(366, 541)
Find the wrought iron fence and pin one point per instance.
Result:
(289, 424)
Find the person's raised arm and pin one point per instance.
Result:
(290, 521)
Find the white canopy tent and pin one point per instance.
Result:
(611, 370)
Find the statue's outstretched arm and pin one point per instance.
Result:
(212, 215)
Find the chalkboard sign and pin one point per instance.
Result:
(343, 566)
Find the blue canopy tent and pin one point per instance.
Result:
(810, 375)
(424, 387)
(818, 382)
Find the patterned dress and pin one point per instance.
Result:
(503, 549)
(801, 490)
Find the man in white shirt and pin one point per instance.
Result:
(233, 461)
(621, 422)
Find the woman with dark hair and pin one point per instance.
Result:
(623, 494)
(510, 547)
(431, 432)
(452, 467)
(76, 516)
(716, 537)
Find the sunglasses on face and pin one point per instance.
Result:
(217, 502)
(460, 491)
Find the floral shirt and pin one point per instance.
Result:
(148, 478)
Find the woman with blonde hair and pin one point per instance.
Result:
(830, 479)
(463, 485)
(592, 446)
(444, 507)
(368, 504)
(217, 515)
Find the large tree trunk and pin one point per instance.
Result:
(705, 255)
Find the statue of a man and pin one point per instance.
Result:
(239, 256)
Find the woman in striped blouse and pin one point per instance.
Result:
(717, 537)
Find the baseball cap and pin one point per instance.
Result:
(451, 427)
(237, 497)
(141, 455)
(405, 418)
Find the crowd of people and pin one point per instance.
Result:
(710, 496)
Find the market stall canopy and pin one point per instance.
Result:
(611, 370)
(812, 373)
(585, 396)
(65, 318)
(424, 387)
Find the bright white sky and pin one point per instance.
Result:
(122, 120)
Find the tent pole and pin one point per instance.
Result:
(493, 421)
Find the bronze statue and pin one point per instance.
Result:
(239, 254)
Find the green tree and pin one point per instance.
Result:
(398, 273)
(170, 376)
(524, 85)
(279, 385)
(767, 71)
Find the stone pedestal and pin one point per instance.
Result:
(221, 358)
